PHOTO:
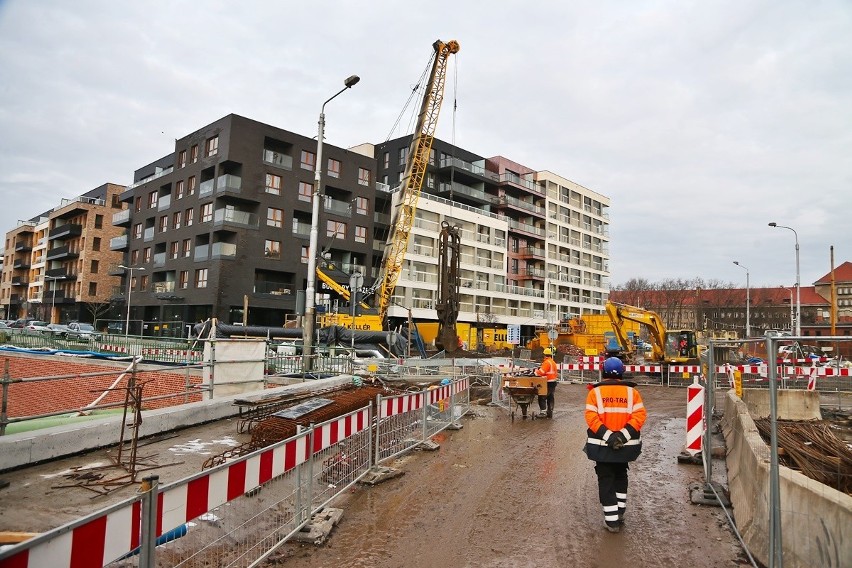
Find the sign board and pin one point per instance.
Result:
(552, 334)
(513, 334)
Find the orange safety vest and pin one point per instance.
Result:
(548, 369)
(614, 406)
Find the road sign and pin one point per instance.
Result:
(513, 334)
(552, 334)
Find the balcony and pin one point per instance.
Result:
(522, 183)
(302, 230)
(164, 202)
(278, 159)
(121, 219)
(505, 200)
(15, 298)
(341, 208)
(205, 188)
(232, 217)
(460, 190)
(23, 247)
(148, 235)
(531, 252)
(529, 273)
(19, 281)
(158, 174)
(224, 251)
(201, 253)
(118, 243)
(115, 270)
(60, 274)
(159, 260)
(526, 228)
(61, 253)
(463, 167)
(163, 287)
(21, 263)
(229, 183)
(65, 231)
(273, 288)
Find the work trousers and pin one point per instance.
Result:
(612, 490)
(545, 402)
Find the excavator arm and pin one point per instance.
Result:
(415, 172)
(619, 313)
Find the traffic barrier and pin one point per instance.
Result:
(694, 417)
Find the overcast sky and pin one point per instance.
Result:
(702, 121)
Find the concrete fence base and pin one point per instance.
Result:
(815, 518)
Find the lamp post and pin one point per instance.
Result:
(791, 307)
(748, 302)
(310, 293)
(798, 283)
(130, 270)
(53, 301)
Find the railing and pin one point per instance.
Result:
(117, 243)
(278, 159)
(223, 250)
(244, 218)
(159, 174)
(121, 217)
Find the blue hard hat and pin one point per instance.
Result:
(613, 367)
(445, 381)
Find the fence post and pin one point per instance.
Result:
(148, 535)
(425, 394)
(7, 379)
(377, 455)
(212, 366)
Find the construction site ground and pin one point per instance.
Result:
(496, 493)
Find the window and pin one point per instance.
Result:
(308, 160)
(146, 254)
(164, 223)
(152, 199)
(335, 229)
(190, 185)
(93, 288)
(273, 184)
(182, 159)
(403, 154)
(304, 254)
(187, 217)
(272, 249)
(138, 203)
(305, 191)
(363, 176)
(274, 217)
(360, 234)
(93, 267)
(432, 156)
(206, 212)
(143, 282)
(137, 231)
(212, 149)
(96, 243)
(193, 153)
(361, 205)
(134, 257)
(173, 249)
(201, 278)
(386, 160)
(179, 187)
(187, 247)
(176, 219)
(333, 168)
(99, 221)
(430, 181)
(183, 280)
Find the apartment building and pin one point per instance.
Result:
(224, 220)
(57, 265)
(535, 246)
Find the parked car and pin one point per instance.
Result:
(58, 330)
(115, 327)
(37, 326)
(21, 323)
(82, 331)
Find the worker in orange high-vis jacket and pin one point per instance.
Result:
(615, 415)
(550, 371)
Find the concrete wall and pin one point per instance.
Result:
(814, 517)
(27, 448)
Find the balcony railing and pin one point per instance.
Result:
(337, 207)
(61, 252)
(234, 217)
(65, 231)
(159, 260)
(121, 218)
(202, 252)
(274, 288)
(148, 235)
(278, 159)
(519, 204)
(228, 183)
(224, 250)
(468, 166)
(163, 287)
(118, 243)
(164, 202)
(205, 188)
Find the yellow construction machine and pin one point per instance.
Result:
(373, 317)
(667, 346)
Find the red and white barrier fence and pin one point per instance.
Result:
(694, 417)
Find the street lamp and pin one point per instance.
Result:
(791, 306)
(53, 302)
(748, 302)
(798, 283)
(310, 294)
(130, 269)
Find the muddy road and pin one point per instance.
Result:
(499, 493)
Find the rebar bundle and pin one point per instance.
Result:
(813, 449)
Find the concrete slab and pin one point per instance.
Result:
(320, 526)
(792, 404)
(380, 474)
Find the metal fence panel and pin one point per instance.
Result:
(400, 425)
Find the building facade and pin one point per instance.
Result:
(58, 266)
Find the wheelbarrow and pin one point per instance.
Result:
(522, 392)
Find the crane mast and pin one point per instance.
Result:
(415, 172)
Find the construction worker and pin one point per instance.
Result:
(549, 370)
(615, 415)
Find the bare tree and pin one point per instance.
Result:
(97, 309)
